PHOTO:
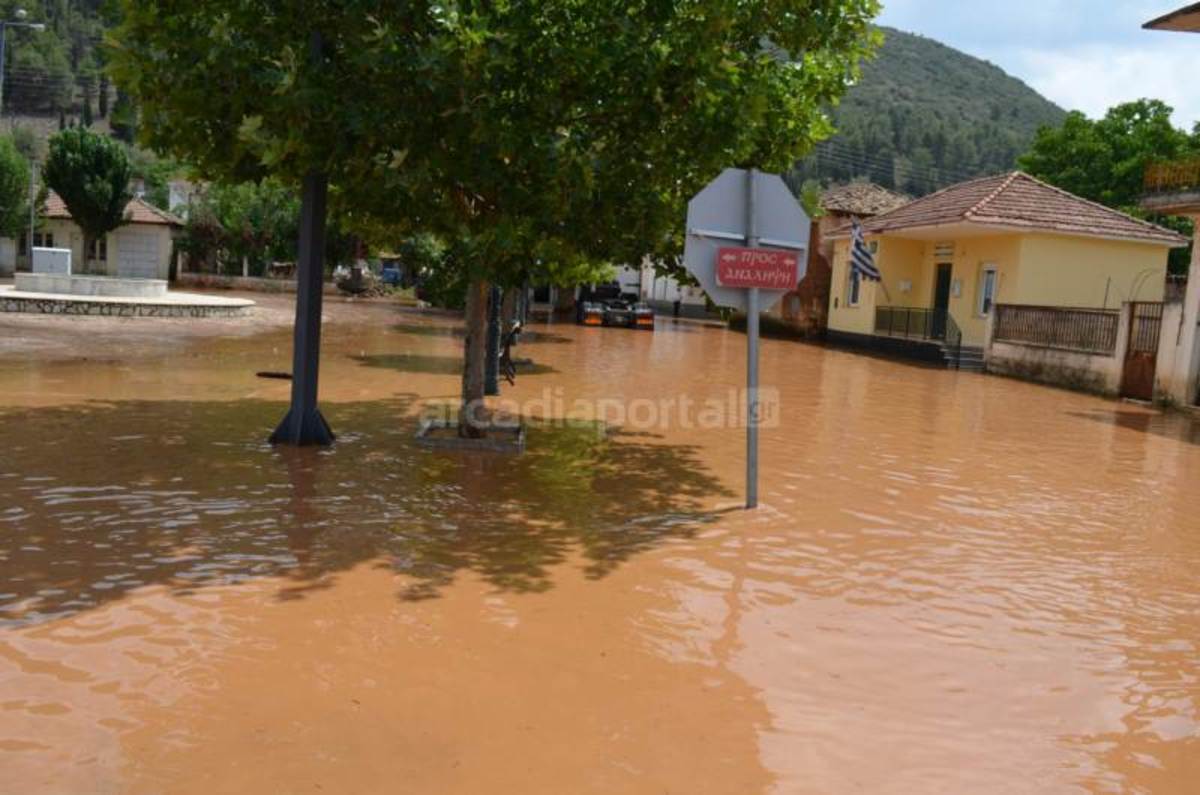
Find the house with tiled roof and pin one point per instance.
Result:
(946, 260)
(139, 248)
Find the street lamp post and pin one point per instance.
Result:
(5, 24)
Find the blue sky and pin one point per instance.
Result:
(1082, 54)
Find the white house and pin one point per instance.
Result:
(140, 248)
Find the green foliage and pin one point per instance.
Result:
(1105, 160)
(91, 173)
(810, 198)
(27, 142)
(123, 119)
(14, 189)
(251, 222)
(925, 115)
(541, 137)
(156, 174)
(45, 67)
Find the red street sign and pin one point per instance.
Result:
(769, 269)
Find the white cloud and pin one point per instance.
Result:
(1094, 78)
(1082, 54)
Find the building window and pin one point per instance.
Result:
(987, 290)
(852, 293)
(40, 240)
(100, 250)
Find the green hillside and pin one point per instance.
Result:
(925, 115)
(59, 72)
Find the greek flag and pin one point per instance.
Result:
(861, 261)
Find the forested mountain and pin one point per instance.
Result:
(925, 115)
(59, 71)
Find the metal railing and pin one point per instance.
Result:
(1172, 177)
(911, 321)
(953, 344)
(1083, 330)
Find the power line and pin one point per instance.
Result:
(898, 167)
(883, 162)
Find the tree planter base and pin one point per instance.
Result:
(443, 435)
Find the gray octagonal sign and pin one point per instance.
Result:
(718, 217)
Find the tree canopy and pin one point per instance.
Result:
(531, 128)
(91, 173)
(14, 189)
(1105, 159)
(535, 138)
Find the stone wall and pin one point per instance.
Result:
(211, 281)
(57, 306)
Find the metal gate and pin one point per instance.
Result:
(1145, 327)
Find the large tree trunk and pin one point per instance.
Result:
(472, 422)
(508, 309)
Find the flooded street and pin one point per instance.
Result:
(956, 584)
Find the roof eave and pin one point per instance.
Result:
(913, 232)
(1182, 20)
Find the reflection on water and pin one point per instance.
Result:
(957, 583)
(104, 498)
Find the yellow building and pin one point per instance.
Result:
(948, 258)
(140, 248)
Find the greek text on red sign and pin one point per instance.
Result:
(765, 268)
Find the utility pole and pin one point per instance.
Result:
(32, 208)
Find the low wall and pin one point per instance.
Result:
(1072, 369)
(111, 307)
(211, 281)
(62, 284)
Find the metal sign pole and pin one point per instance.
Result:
(764, 259)
(751, 355)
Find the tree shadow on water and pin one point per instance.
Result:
(432, 364)
(103, 498)
(528, 333)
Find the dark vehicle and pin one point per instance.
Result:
(606, 305)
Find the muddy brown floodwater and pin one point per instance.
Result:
(956, 584)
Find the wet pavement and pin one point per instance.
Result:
(957, 583)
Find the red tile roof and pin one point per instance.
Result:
(1020, 202)
(138, 211)
(862, 199)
